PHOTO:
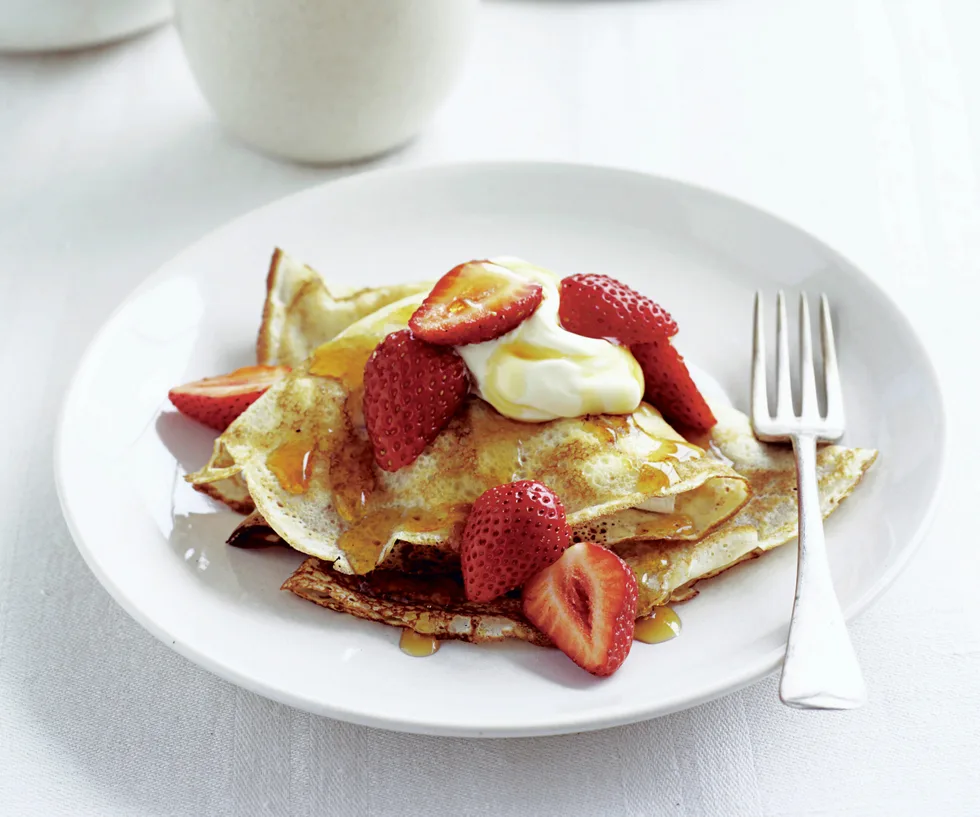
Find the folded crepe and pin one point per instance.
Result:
(306, 460)
(666, 570)
(231, 488)
(301, 311)
(433, 605)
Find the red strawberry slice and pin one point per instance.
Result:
(669, 386)
(411, 391)
(218, 401)
(598, 306)
(586, 603)
(475, 302)
(512, 532)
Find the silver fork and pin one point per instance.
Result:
(820, 670)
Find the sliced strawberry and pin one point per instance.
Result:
(598, 306)
(411, 391)
(669, 386)
(512, 532)
(474, 302)
(217, 401)
(586, 603)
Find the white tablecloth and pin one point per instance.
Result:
(857, 119)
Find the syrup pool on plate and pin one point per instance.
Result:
(661, 625)
(418, 645)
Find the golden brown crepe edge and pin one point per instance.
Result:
(316, 581)
(284, 291)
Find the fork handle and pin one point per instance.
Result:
(820, 670)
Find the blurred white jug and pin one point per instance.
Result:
(51, 25)
(325, 80)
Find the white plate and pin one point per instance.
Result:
(157, 546)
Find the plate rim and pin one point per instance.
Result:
(732, 682)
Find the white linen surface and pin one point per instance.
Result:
(859, 120)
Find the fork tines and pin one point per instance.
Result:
(786, 421)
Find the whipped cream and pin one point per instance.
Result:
(539, 371)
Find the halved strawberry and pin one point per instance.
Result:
(475, 302)
(598, 306)
(586, 603)
(411, 391)
(669, 386)
(512, 532)
(217, 401)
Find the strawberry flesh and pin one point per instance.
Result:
(512, 532)
(669, 385)
(598, 306)
(586, 604)
(475, 302)
(412, 389)
(218, 401)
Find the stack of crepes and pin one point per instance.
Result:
(384, 546)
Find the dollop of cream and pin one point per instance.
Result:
(539, 371)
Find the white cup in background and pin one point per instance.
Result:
(325, 80)
(51, 25)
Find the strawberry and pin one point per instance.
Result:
(598, 306)
(669, 386)
(217, 401)
(411, 391)
(586, 603)
(475, 302)
(512, 532)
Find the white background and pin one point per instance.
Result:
(859, 120)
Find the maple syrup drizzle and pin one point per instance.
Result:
(366, 538)
(292, 465)
(661, 625)
(418, 645)
(352, 477)
(423, 521)
(523, 350)
(658, 470)
(475, 281)
(490, 449)
(655, 477)
(344, 359)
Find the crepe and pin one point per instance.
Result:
(416, 587)
(666, 571)
(431, 605)
(309, 469)
(301, 311)
(231, 490)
